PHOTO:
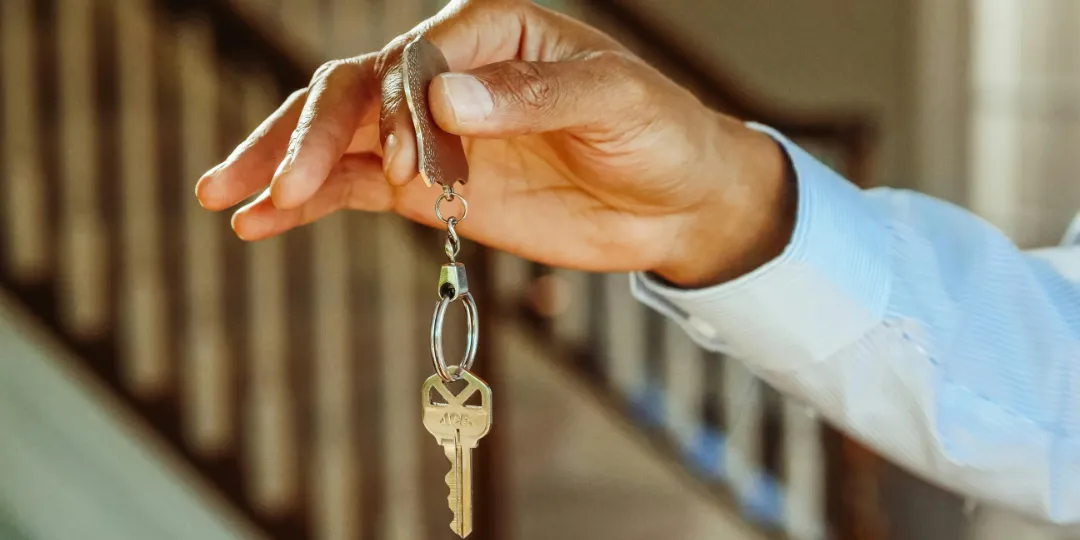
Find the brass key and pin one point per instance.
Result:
(458, 428)
(441, 159)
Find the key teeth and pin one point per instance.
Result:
(456, 528)
(451, 500)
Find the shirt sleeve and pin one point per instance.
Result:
(917, 328)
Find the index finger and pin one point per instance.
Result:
(341, 94)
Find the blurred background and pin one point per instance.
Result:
(161, 379)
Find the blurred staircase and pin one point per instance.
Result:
(284, 372)
(77, 464)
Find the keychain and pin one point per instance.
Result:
(456, 426)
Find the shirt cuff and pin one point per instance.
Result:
(828, 288)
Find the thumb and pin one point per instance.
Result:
(592, 93)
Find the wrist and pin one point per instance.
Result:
(746, 221)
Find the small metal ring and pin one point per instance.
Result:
(449, 197)
(472, 338)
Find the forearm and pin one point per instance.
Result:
(920, 330)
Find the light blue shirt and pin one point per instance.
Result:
(917, 328)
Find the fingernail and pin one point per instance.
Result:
(278, 188)
(469, 98)
(284, 167)
(399, 161)
(205, 182)
(391, 148)
(215, 170)
(235, 222)
(246, 220)
(200, 191)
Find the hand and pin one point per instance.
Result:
(580, 154)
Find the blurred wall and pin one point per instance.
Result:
(8, 529)
(976, 99)
(1025, 111)
(842, 55)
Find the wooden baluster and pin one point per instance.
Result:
(207, 366)
(649, 400)
(368, 354)
(570, 293)
(804, 516)
(401, 374)
(271, 440)
(23, 195)
(145, 366)
(862, 494)
(511, 276)
(84, 251)
(743, 407)
(334, 476)
(265, 13)
(769, 496)
(623, 339)
(683, 385)
(711, 446)
(493, 501)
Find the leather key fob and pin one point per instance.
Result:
(441, 155)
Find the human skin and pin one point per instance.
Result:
(581, 155)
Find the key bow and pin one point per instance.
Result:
(443, 419)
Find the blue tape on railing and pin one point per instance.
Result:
(706, 453)
(764, 502)
(647, 405)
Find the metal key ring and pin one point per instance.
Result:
(472, 337)
(449, 196)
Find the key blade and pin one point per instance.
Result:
(441, 154)
(459, 480)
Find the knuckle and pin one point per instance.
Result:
(334, 73)
(526, 85)
(324, 72)
(390, 55)
(624, 73)
(296, 95)
(637, 90)
(611, 60)
(337, 73)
